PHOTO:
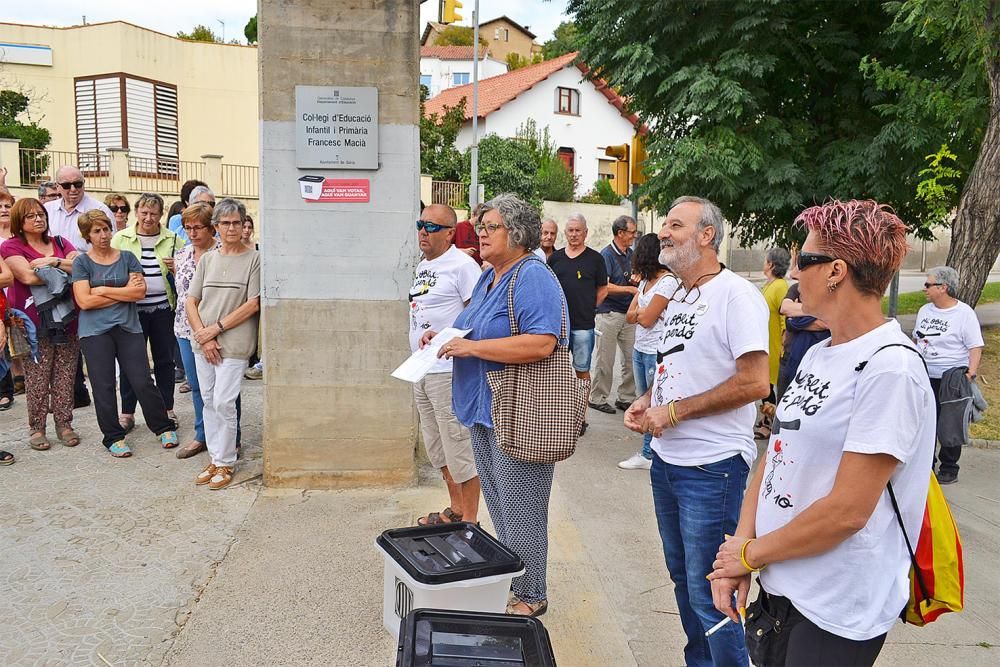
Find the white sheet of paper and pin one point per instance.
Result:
(415, 368)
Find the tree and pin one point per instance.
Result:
(200, 33)
(957, 92)
(438, 155)
(250, 30)
(565, 39)
(553, 181)
(759, 105)
(504, 166)
(457, 35)
(13, 108)
(517, 61)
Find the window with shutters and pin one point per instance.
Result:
(124, 111)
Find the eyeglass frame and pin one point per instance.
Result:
(427, 224)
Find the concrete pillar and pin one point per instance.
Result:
(10, 157)
(335, 275)
(213, 173)
(118, 175)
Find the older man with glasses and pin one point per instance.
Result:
(73, 201)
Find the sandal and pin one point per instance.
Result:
(434, 518)
(39, 442)
(168, 439)
(518, 607)
(193, 447)
(120, 450)
(69, 437)
(6, 403)
(127, 422)
(6, 458)
(185, 388)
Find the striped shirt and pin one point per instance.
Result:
(156, 288)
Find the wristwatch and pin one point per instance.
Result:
(221, 328)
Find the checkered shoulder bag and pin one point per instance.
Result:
(539, 407)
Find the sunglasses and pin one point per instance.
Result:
(431, 227)
(72, 184)
(930, 285)
(807, 259)
(119, 209)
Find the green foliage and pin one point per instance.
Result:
(603, 193)
(937, 192)
(553, 181)
(14, 107)
(250, 30)
(438, 155)
(762, 105)
(517, 61)
(504, 166)
(565, 39)
(457, 35)
(200, 33)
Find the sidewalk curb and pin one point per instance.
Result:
(979, 443)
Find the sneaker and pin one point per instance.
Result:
(221, 479)
(947, 476)
(205, 476)
(636, 462)
(168, 439)
(253, 373)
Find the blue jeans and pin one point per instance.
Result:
(643, 369)
(187, 357)
(695, 507)
(581, 345)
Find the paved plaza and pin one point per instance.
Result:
(126, 562)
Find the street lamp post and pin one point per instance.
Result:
(474, 175)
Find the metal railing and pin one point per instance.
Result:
(148, 174)
(240, 180)
(42, 165)
(450, 193)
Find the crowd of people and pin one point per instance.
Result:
(89, 294)
(709, 364)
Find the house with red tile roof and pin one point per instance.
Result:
(583, 115)
(443, 67)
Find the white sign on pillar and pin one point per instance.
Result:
(336, 127)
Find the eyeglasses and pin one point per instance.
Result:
(194, 228)
(431, 227)
(34, 216)
(119, 209)
(930, 285)
(229, 223)
(488, 228)
(72, 184)
(807, 259)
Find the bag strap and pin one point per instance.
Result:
(59, 242)
(514, 331)
(892, 496)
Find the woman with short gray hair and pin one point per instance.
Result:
(516, 492)
(222, 306)
(949, 337)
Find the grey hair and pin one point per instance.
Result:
(780, 261)
(149, 199)
(199, 191)
(947, 276)
(578, 217)
(45, 185)
(711, 216)
(228, 206)
(524, 228)
(621, 224)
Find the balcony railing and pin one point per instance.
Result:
(155, 175)
(41, 165)
(450, 193)
(240, 180)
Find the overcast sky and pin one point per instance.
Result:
(174, 15)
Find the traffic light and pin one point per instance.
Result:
(449, 11)
(638, 160)
(621, 180)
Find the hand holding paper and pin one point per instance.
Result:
(421, 361)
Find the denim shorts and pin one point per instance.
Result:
(581, 344)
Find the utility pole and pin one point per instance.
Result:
(474, 175)
(223, 30)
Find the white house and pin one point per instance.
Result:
(583, 116)
(444, 67)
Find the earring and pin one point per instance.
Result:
(831, 287)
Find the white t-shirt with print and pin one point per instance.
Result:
(440, 289)
(701, 343)
(646, 340)
(857, 589)
(944, 336)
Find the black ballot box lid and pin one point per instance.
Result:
(448, 552)
(446, 638)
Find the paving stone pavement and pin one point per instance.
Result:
(103, 559)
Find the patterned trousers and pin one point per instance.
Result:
(517, 497)
(48, 384)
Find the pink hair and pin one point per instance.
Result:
(867, 235)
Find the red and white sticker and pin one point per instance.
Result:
(335, 190)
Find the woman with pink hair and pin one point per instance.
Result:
(855, 424)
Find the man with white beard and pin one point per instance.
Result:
(711, 368)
